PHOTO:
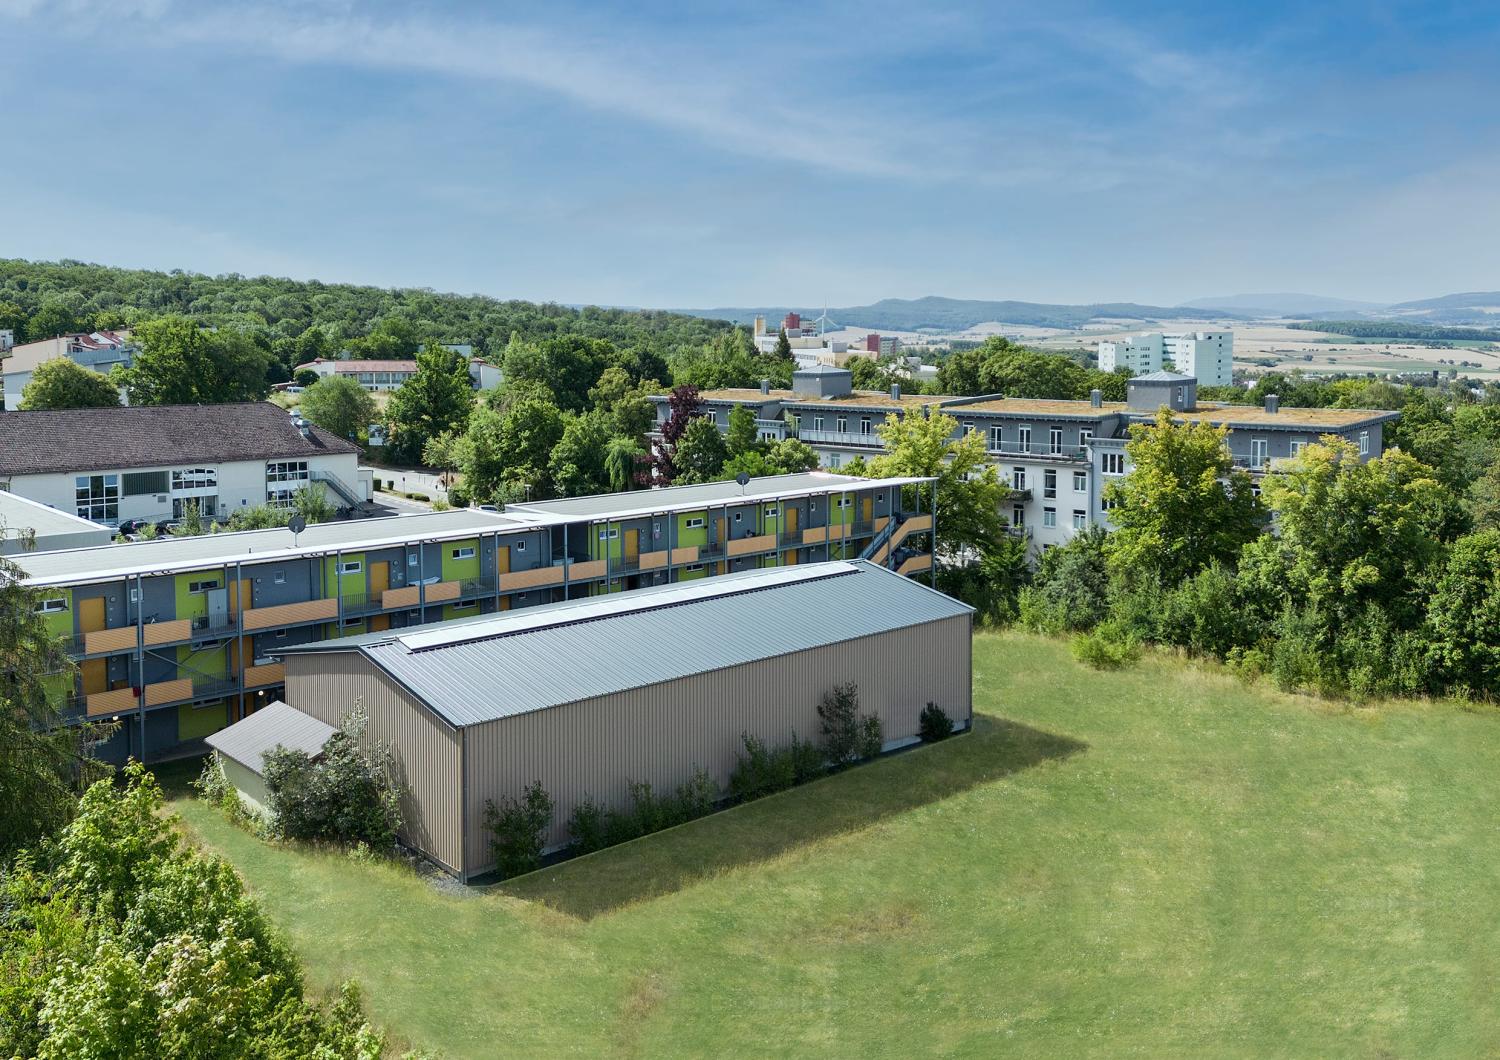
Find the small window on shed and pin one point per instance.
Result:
(466, 552)
(521, 545)
(279, 577)
(696, 523)
(52, 606)
(352, 566)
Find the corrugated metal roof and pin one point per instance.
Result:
(472, 672)
(703, 495)
(274, 725)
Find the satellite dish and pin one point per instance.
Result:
(744, 480)
(297, 524)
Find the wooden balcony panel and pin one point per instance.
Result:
(103, 640)
(815, 535)
(438, 592)
(116, 702)
(289, 614)
(653, 560)
(166, 691)
(685, 555)
(594, 568)
(915, 525)
(746, 545)
(268, 674)
(915, 564)
(406, 597)
(530, 579)
(168, 632)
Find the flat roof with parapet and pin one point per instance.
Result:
(1290, 418)
(19, 514)
(103, 562)
(472, 671)
(704, 495)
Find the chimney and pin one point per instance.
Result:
(765, 386)
(895, 391)
(1273, 404)
(1096, 398)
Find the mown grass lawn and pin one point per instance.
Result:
(1157, 862)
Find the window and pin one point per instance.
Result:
(195, 478)
(97, 497)
(1054, 440)
(1023, 438)
(1049, 517)
(52, 606)
(833, 460)
(283, 479)
(280, 634)
(521, 545)
(352, 621)
(1297, 445)
(1080, 482)
(968, 428)
(695, 523)
(1181, 394)
(738, 516)
(864, 425)
(1018, 478)
(279, 578)
(1017, 515)
(694, 568)
(1049, 483)
(997, 438)
(842, 424)
(1085, 437)
(141, 483)
(772, 511)
(412, 559)
(1080, 519)
(817, 423)
(1258, 450)
(465, 552)
(609, 534)
(1114, 463)
(352, 566)
(205, 585)
(845, 502)
(1364, 443)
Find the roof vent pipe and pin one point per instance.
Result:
(765, 386)
(1096, 398)
(895, 391)
(1273, 404)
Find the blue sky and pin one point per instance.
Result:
(703, 154)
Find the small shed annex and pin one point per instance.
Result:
(587, 696)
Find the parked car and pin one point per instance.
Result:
(134, 526)
(166, 526)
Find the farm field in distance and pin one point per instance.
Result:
(1155, 862)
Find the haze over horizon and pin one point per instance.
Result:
(765, 154)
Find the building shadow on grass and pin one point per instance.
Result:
(668, 861)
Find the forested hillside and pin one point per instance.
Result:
(297, 319)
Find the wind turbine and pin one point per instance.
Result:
(823, 320)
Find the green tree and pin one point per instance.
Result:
(438, 398)
(701, 453)
(577, 466)
(742, 436)
(40, 757)
(340, 405)
(969, 490)
(1183, 505)
(1483, 501)
(1463, 615)
(783, 346)
(61, 384)
(627, 403)
(510, 453)
(571, 366)
(51, 319)
(622, 460)
(180, 363)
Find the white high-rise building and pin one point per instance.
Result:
(1207, 356)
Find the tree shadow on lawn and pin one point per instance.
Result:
(668, 861)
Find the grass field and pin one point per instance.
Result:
(1158, 862)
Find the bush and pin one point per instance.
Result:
(588, 825)
(759, 772)
(1202, 614)
(346, 795)
(593, 827)
(838, 715)
(871, 736)
(518, 829)
(458, 497)
(1109, 647)
(214, 788)
(934, 724)
(1071, 590)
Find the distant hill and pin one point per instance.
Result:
(1283, 304)
(949, 314)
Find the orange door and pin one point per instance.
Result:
(791, 520)
(379, 622)
(632, 545)
(90, 620)
(502, 559)
(380, 578)
(867, 509)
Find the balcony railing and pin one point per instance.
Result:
(816, 437)
(1044, 449)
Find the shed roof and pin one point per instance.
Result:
(480, 670)
(274, 725)
(75, 440)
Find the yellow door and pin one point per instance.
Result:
(239, 595)
(791, 557)
(791, 520)
(867, 509)
(502, 559)
(380, 578)
(719, 531)
(90, 620)
(379, 622)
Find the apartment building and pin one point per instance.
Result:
(1056, 455)
(379, 375)
(1207, 356)
(175, 638)
(149, 462)
(97, 350)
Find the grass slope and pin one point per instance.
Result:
(1158, 862)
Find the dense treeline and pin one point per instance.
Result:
(1388, 329)
(296, 320)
